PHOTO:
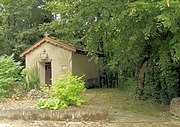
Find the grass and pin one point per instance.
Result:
(125, 101)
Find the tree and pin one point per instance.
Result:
(140, 40)
(19, 24)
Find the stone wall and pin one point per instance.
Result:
(57, 115)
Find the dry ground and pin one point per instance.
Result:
(124, 111)
(19, 123)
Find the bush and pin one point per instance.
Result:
(66, 92)
(161, 85)
(127, 84)
(8, 74)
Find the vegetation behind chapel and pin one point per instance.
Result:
(139, 39)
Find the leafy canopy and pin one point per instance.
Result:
(128, 33)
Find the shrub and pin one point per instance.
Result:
(8, 74)
(66, 91)
(127, 84)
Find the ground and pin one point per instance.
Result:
(19, 123)
(124, 111)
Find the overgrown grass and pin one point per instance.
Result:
(124, 100)
(30, 79)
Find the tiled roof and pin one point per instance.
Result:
(53, 42)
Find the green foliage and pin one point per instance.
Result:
(19, 24)
(128, 33)
(51, 103)
(30, 79)
(16, 96)
(8, 74)
(66, 91)
(161, 85)
(69, 88)
(128, 84)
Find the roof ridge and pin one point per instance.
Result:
(53, 42)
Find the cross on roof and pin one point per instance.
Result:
(46, 34)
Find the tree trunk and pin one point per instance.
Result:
(141, 75)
